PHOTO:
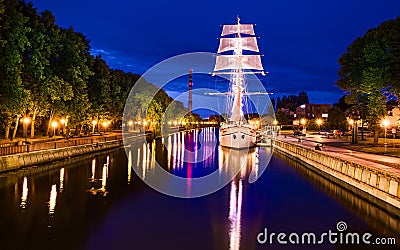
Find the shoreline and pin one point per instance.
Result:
(377, 180)
(18, 161)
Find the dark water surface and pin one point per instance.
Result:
(98, 202)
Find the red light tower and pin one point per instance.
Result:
(190, 102)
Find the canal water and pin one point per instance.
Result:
(100, 201)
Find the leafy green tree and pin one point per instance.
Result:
(72, 65)
(336, 118)
(99, 91)
(369, 70)
(280, 117)
(13, 42)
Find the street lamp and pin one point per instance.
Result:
(303, 122)
(63, 122)
(26, 121)
(353, 136)
(94, 122)
(130, 124)
(105, 124)
(319, 123)
(54, 124)
(385, 123)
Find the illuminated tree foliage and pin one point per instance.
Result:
(370, 70)
(47, 72)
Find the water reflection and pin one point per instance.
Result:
(24, 196)
(62, 180)
(129, 166)
(235, 214)
(242, 162)
(53, 199)
(93, 170)
(104, 176)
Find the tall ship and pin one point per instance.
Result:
(238, 56)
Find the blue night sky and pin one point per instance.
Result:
(301, 40)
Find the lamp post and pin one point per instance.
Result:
(63, 124)
(385, 123)
(319, 123)
(94, 122)
(351, 122)
(303, 122)
(26, 121)
(54, 124)
(354, 117)
(130, 124)
(105, 124)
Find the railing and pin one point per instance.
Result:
(372, 179)
(18, 149)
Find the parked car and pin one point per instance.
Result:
(339, 132)
(298, 133)
(325, 132)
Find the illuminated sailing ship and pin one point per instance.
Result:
(236, 132)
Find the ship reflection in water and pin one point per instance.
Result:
(242, 161)
(99, 201)
(194, 154)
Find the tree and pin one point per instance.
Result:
(13, 42)
(342, 104)
(369, 70)
(99, 91)
(336, 118)
(72, 65)
(280, 117)
(302, 98)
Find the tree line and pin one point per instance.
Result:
(370, 73)
(47, 72)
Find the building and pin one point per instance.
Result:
(311, 111)
(394, 118)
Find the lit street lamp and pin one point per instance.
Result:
(385, 123)
(94, 122)
(26, 121)
(105, 124)
(64, 125)
(319, 123)
(303, 122)
(54, 124)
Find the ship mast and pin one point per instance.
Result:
(237, 113)
(238, 64)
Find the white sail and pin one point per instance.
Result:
(246, 43)
(242, 62)
(238, 28)
(236, 132)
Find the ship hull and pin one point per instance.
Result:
(237, 137)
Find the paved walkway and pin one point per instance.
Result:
(387, 163)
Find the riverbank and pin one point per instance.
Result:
(376, 179)
(26, 159)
